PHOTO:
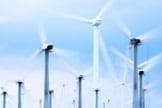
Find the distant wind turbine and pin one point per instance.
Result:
(80, 76)
(95, 22)
(141, 73)
(135, 42)
(20, 84)
(145, 66)
(51, 92)
(47, 48)
(4, 93)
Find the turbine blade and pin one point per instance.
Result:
(65, 53)
(87, 72)
(76, 18)
(68, 67)
(105, 8)
(147, 36)
(42, 34)
(122, 56)
(99, 84)
(107, 59)
(124, 29)
(35, 55)
(147, 65)
(150, 86)
(126, 66)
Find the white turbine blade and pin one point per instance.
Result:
(105, 8)
(124, 29)
(87, 72)
(68, 67)
(107, 59)
(152, 34)
(35, 55)
(122, 56)
(99, 84)
(42, 34)
(150, 63)
(126, 67)
(76, 18)
(149, 86)
(65, 53)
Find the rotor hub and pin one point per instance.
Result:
(80, 77)
(96, 21)
(135, 41)
(49, 47)
(141, 73)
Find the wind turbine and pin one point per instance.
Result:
(145, 66)
(80, 77)
(95, 22)
(47, 48)
(20, 83)
(141, 73)
(51, 94)
(4, 93)
(135, 42)
(40, 103)
(73, 103)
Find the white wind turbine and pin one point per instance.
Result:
(135, 42)
(145, 66)
(80, 77)
(123, 84)
(95, 22)
(47, 48)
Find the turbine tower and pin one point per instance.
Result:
(51, 94)
(4, 93)
(40, 103)
(95, 22)
(80, 78)
(135, 42)
(73, 103)
(144, 66)
(97, 96)
(144, 92)
(20, 83)
(141, 73)
(47, 48)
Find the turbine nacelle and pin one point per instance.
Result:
(123, 83)
(135, 41)
(96, 21)
(47, 47)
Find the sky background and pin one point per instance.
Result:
(19, 38)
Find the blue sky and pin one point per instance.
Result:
(19, 38)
